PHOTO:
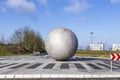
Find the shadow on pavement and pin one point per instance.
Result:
(81, 59)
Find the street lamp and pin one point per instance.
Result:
(91, 36)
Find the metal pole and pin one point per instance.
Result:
(91, 43)
(111, 65)
(111, 61)
(91, 36)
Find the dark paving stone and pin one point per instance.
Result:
(64, 66)
(7, 65)
(116, 65)
(49, 66)
(2, 63)
(18, 66)
(93, 66)
(116, 62)
(34, 66)
(79, 66)
(104, 65)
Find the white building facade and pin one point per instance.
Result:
(97, 47)
(115, 47)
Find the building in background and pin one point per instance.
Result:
(115, 47)
(96, 47)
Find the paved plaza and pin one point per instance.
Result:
(46, 67)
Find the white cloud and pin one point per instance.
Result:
(22, 6)
(43, 2)
(115, 1)
(77, 6)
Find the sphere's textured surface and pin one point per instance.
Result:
(61, 44)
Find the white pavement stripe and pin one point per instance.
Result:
(88, 68)
(57, 66)
(72, 66)
(11, 76)
(108, 65)
(42, 66)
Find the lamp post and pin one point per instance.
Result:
(91, 42)
(91, 37)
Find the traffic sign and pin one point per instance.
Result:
(115, 57)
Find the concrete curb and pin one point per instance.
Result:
(12, 76)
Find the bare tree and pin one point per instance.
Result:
(28, 39)
(2, 40)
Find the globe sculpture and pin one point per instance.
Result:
(61, 44)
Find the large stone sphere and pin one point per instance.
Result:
(61, 43)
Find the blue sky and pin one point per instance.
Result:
(102, 17)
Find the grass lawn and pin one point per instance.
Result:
(83, 53)
(5, 52)
(98, 54)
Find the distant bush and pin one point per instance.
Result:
(4, 51)
(26, 40)
(15, 49)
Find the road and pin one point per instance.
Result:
(29, 67)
